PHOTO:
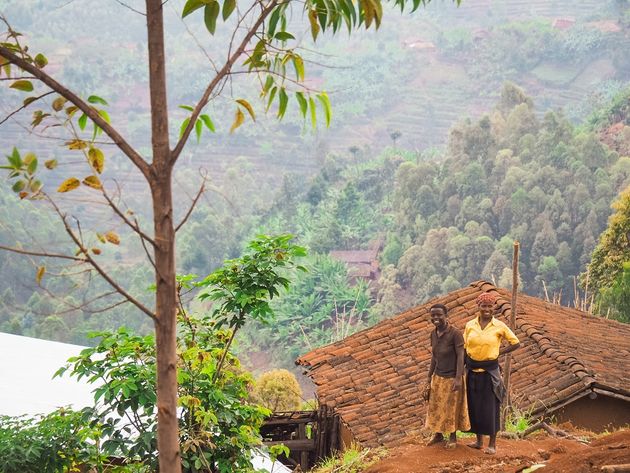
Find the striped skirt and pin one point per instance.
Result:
(447, 410)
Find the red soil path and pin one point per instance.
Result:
(560, 455)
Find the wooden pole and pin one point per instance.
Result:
(508, 357)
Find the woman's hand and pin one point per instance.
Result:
(426, 393)
(457, 384)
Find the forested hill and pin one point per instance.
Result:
(401, 163)
(451, 219)
(407, 84)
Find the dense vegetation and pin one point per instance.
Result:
(446, 215)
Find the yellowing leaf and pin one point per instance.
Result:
(96, 159)
(93, 181)
(249, 108)
(40, 274)
(96, 251)
(112, 237)
(69, 184)
(238, 120)
(76, 144)
(51, 164)
(58, 104)
(101, 237)
(312, 18)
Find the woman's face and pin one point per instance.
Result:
(438, 317)
(487, 309)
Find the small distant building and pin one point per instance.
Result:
(563, 23)
(362, 264)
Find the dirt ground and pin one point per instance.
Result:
(559, 455)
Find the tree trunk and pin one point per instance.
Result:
(165, 328)
(166, 293)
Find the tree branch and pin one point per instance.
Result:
(125, 147)
(23, 107)
(43, 254)
(202, 189)
(133, 225)
(218, 78)
(97, 267)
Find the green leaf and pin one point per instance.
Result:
(29, 100)
(267, 86)
(228, 8)
(283, 36)
(273, 21)
(82, 121)
(283, 99)
(187, 107)
(323, 98)
(14, 159)
(198, 129)
(40, 61)
(23, 85)
(191, 6)
(183, 127)
(208, 122)
(312, 106)
(303, 103)
(97, 99)
(18, 186)
(271, 97)
(210, 14)
(105, 115)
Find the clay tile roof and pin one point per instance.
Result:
(374, 377)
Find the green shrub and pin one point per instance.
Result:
(53, 443)
(278, 390)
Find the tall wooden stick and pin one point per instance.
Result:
(508, 357)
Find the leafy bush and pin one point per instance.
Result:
(218, 423)
(278, 390)
(53, 443)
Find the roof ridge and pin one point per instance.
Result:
(544, 343)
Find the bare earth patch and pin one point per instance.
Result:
(560, 455)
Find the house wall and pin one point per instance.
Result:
(346, 439)
(597, 415)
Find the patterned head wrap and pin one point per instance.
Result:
(486, 297)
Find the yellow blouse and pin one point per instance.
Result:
(483, 345)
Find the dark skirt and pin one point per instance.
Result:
(483, 406)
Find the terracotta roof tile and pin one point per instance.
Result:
(374, 378)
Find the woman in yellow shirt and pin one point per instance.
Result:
(484, 385)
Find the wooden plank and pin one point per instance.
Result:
(272, 421)
(294, 445)
(304, 453)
